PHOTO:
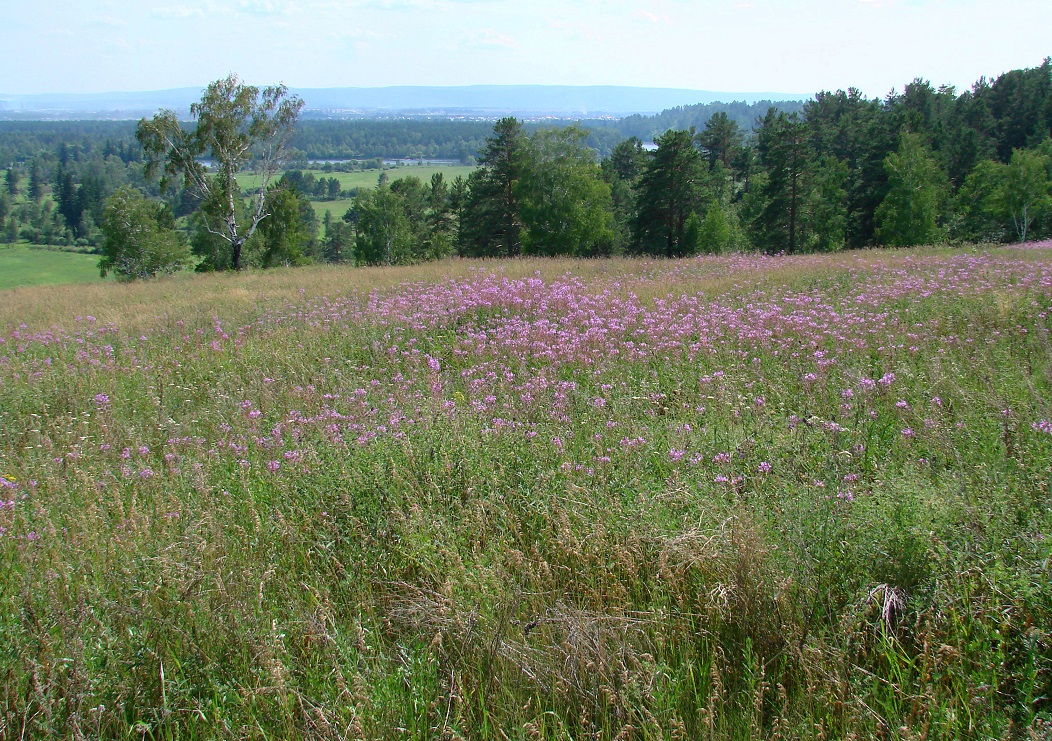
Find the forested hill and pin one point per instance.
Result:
(363, 138)
(743, 113)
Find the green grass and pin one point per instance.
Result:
(22, 265)
(369, 178)
(337, 208)
(736, 497)
(366, 179)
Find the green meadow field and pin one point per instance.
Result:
(22, 265)
(26, 265)
(369, 178)
(734, 497)
(366, 179)
(336, 207)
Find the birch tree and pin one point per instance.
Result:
(238, 126)
(1025, 193)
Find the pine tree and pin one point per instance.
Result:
(785, 154)
(491, 223)
(13, 178)
(667, 194)
(720, 140)
(36, 182)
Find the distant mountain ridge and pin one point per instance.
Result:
(482, 100)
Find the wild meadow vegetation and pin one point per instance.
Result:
(734, 496)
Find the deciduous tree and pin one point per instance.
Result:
(1025, 190)
(286, 235)
(566, 206)
(978, 205)
(139, 237)
(909, 213)
(385, 235)
(238, 126)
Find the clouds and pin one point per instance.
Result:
(269, 7)
(733, 45)
(179, 11)
(576, 31)
(646, 15)
(494, 38)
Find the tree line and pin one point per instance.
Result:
(648, 128)
(22, 142)
(56, 198)
(920, 166)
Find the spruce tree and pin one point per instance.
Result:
(492, 225)
(13, 179)
(667, 194)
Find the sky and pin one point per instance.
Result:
(94, 46)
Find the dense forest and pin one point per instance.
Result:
(920, 166)
(924, 165)
(365, 139)
(648, 128)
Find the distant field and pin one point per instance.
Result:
(21, 265)
(366, 179)
(337, 208)
(369, 178)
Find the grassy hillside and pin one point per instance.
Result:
(21, 265)
(727, 497)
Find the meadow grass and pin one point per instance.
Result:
(369, 178)
(366, 179)
(728, 497)
(337, 208)
(22, 265)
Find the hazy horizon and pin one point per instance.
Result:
(202, 85)
(105, 46)
(473, 100)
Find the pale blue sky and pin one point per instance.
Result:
(70, 46)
